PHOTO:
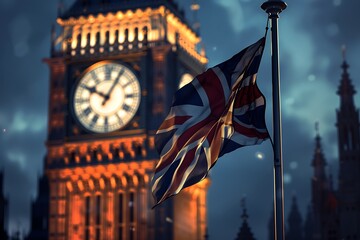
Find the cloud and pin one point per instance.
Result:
(234, 12)
(310, 102)
(16, 157)
(28, 123)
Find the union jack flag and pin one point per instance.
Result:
(219, 111)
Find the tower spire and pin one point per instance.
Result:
(195, 7)
(319, 161)
(346, 89)
(347, 115)
(295, 228)
(348, 127)
(343, 51)
(319, 184)
(245, 231)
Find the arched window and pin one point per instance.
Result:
(116, 41)
(126, 35)
(107, 37)
(120, 216)
(88, 39)
(72, 157)
(109, 224)
(98, 217)
(136, 33)
(132, 215)
(78, 41)
(145, 33)
(97, 38)
(87, 217)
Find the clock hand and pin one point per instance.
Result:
(107, 95)
(90, 89)
(93, 90)
(102, 94)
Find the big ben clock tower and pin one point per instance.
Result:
(114, 68)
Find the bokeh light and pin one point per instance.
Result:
(259, 155)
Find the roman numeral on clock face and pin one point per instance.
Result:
(130, 95)
(106, 124)
(95, 78)
(121, 122)
(95, 118)
(81, 100)
(127, 108)
(87, 111)
(108, 71)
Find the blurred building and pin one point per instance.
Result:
(334, 213)
(114, 68)
(294, 227)
(40, 212)
(3, 209)
(349, 158)
(323, 210)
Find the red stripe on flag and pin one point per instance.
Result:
(214, 90)
(187, 137)
(249, 132)
(177, 120)
(184, 165)
(247, 95)
(191, 135)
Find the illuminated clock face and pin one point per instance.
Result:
(185, 79)
(107, 97)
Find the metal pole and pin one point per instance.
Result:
(274, 8)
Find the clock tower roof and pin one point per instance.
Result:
(94, 7)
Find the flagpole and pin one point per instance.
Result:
(274, 8)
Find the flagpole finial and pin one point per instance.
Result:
(274, 7)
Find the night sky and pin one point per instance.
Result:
(311, 35)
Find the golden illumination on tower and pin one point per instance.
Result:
(100, 181)
(130, 29)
